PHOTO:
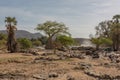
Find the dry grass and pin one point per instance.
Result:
(24, 64)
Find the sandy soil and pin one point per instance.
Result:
(24, 66)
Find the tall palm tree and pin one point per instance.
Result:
(11, 27)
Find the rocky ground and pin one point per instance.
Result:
(44, 65)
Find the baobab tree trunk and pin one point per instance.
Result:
(113, 46)
(118, 42)
(97, 47)
(49, 44)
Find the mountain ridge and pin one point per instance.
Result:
(24, 34)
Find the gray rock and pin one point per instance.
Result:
(69, 77)
(83, 66)
(101, 76)
(40, 77)
(53, 75)
(92, 73)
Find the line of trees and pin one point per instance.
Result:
(56, 35)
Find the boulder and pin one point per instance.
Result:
(83, 66)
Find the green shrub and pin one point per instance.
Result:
(24, 43)
(36, 43)
(3, 36)
(3, 40)
(65, 40)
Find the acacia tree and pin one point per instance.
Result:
(52, 29)
(115, 31)
(111, 30)
(102, 32)
(11, 27)
(101, 41)
(104, 29)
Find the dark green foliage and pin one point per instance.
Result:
(65, 40)
(43, 40)
(107, 42)
(101, 41)
(2, 43)
(3, 39)
(24, 43)
(36, 43)
(3, 36)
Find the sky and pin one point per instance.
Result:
(80, 16)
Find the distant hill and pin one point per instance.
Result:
(24, 34)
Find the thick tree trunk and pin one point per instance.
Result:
(114, 46)
(97, 47)
(49, 44)
(118, 42)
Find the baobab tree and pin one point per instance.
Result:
(11, 27)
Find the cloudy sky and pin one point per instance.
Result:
(81, 16)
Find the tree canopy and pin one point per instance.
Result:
(11, 23)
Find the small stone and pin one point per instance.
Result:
(69, 77)
(53, 75)
(37, 76)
